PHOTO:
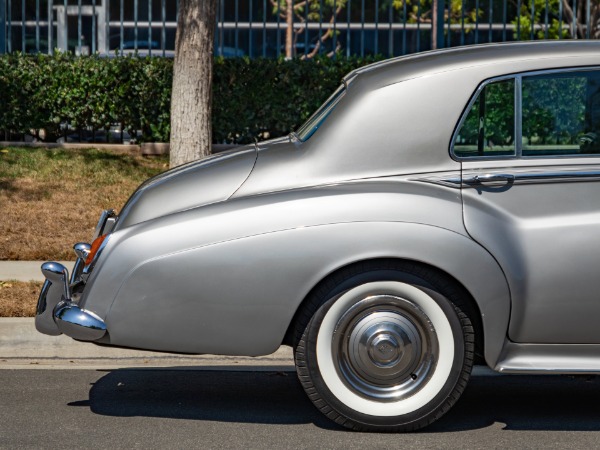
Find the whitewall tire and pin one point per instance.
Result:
(391, 352)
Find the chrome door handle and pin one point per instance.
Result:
(490, 178)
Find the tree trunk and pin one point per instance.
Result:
(434, 24)
(289, 32)
(191, 133)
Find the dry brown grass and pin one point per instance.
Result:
(18, 298)
(51, 199)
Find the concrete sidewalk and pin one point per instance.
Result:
(25, 270)
(22, 347)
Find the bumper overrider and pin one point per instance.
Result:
(58, 309)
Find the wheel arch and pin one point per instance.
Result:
(472, 309)
(487, 298)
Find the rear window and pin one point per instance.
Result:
(544, 114)
(489, 128)
(317, 119)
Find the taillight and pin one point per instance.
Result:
(94, 249)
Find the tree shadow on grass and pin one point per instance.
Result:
(7, 186)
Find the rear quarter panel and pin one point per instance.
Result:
(228, 278)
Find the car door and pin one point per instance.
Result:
(530, 152)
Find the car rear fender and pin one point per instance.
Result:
(241, 295)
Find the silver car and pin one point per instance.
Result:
(439, 210)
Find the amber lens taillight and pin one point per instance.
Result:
(94, 249)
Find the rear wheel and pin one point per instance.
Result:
(385, 350)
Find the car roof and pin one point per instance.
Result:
(500, 54)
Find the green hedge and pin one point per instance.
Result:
(252, 98)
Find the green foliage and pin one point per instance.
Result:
(422, 10)
(554, 109)
(252, 99)
(498, 119)
(523, 22)
(259, 98)
(51, 92)
(317, 9)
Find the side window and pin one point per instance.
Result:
(561, 114)
(488, 129)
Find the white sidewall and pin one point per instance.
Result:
(445, 341)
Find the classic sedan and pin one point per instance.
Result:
(439, 210)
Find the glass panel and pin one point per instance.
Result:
(561, 114)
(317, 119)
(489, 128)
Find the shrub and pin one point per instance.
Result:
(252, 98)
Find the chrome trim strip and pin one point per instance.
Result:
(101, 225)
(463, 118)
(549, 358)
(77, 269)
(490, 178)
(109, 225)
(542, 177)
(558, 176)
(82, 250)
(518, 116)
(471, 180)
(454, 182)
(449, 179)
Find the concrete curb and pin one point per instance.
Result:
(26, 270)
(22, 346)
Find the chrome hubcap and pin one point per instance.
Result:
(385, 348)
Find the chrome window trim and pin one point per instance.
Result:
(518, 117)
(466, 112)
(323, 111)
(518, 77)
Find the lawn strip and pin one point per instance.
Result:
(19, 298)
(51, 199)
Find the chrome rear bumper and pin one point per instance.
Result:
(58, 309)
(58, 313)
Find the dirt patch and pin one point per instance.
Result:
(51, 199)
(19, 298)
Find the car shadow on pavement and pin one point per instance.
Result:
(557, 403)
(267, 397)
(518, 402)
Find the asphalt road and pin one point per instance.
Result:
(151, 408)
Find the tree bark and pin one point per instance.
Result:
(191, 126)
(434, 24)
(289, 32)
